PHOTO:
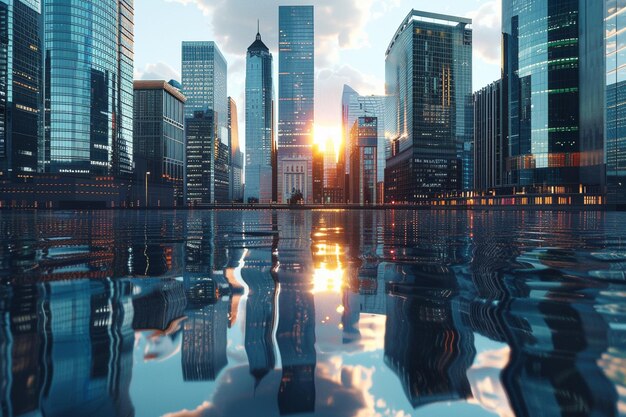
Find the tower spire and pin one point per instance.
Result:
(258, 29)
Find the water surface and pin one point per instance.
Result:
(354, 313)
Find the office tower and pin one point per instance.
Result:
(615, 105)
(318, 174)
(21, 88)
(554, 95)
(428, 74)
(201, 135)
(259, 123)
(363, 161)
(296, 112)
(88, 87)
(159, 135)
(236, 155)
(488, 161)
(204, 79)
(353, 107)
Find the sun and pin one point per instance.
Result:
(324, 134)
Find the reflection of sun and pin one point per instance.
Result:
(328, 280)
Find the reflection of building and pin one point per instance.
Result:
(204, 342)
(429, 89)
(296, 328)
(259, 123)
(425, 344)
(21, 87)
(89, 87)
(296, 111)
(260, 311)
(363, 163)
(553, 114)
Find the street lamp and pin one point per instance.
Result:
(147, 173)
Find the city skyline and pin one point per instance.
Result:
(348, 37)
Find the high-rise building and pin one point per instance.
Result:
(204, 79)
(318, 174)
(259, 123)
(430, 111)
(21, 87)
(201, 135)
(615, 101)
(330, 164)
(363, 161)
(353, 107)
(553, 94)
(159, 135)
(88, 87)
(296, 112)
(488, 143)
(236, 155)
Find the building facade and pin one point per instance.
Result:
(21, 88)
(236, 155)
(429, 119)
(296, 110)
(615, 101)
(201, 135)
(554, 99)
(159, 135)
(353, 107)
(318, 174)
(88, 87)
(259, 123)
(488, 144)
(363, 161)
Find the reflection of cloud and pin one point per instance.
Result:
(484, 378)
(340, 391)
(488, 31)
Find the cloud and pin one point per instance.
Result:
(487, 31)
(158, 71)
(338, 24)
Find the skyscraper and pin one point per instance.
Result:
(318, 174)
(488, 143)
(296, 112)
(159, 135)
(88, 87)
(21, 87)
(353, 107)
(201, 135)
(363, 161)
(428, 74)
(236, 156)
(259, 123)
(616, 105)
(204, 79)
(554, 96)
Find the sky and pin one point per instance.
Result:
(351, 39)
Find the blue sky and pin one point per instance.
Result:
(351, 39)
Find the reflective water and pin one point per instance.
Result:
(314, 313)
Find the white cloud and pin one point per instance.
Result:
(487, 31)
(158, 71)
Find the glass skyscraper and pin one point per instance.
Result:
(159, 135)
(616, 100)
(21, 87)
(259, 123)
(430, 111)
(88, 87)
(202, 146)
(296, 111)
(553, 96)
(204, 79)
(236, 155)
